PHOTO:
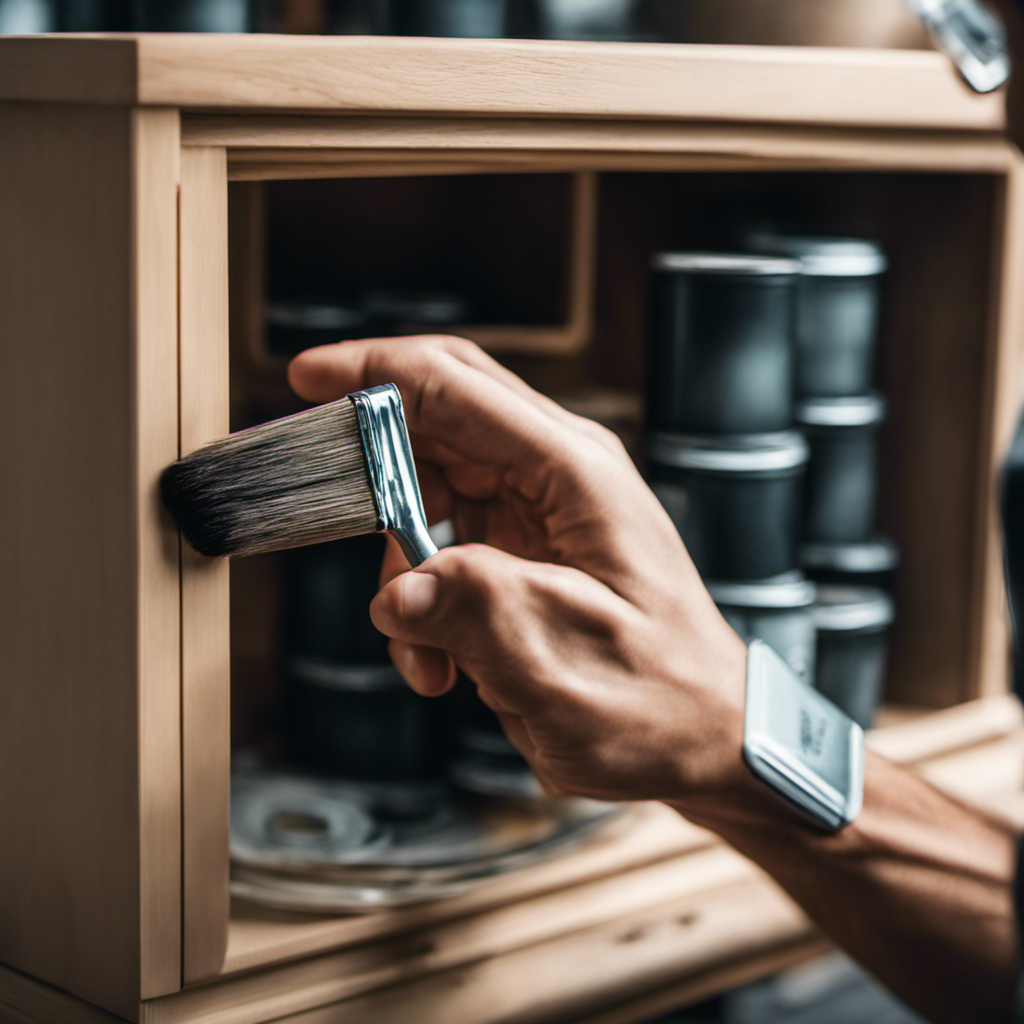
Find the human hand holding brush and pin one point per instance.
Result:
(578, 612)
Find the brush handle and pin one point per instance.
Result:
(415, 542)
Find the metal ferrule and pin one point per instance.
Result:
(392, 470)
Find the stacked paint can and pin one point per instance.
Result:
(762, 444)
(722, 452)
(841, 415)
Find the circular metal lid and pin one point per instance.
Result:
(879, 554)
(726, 264)
(842, 609)
(790, 590)
(361, 678)
(313, 316)
(735, 453)
(849, 411)
(823, 256)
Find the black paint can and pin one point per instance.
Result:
(852, 625)
(721, 343)
(837, 309)
(777, 611)
(842, 475)
(360, 722)
(735, 500)
(868, 563)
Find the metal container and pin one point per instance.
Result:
(852, 626)
(721, 343)
(868, 563)
(459, 18)
(735, 500)
(360, 722)
(837, 310)
(294, 325)
(777, 611)
(328, 592)
(841, 496)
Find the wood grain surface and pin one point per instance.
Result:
(89, 639)
(205, 592)
(508, 77)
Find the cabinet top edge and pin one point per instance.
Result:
(498, 77)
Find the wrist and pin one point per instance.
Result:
(800, 755)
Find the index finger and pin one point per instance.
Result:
(446, 400)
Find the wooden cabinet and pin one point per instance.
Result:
(135, 176)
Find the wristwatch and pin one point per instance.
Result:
(800, 744)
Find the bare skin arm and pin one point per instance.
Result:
(580, 618)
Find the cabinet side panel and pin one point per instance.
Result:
(205, 605)
(991, 639)
(156, 147)
(69, 562)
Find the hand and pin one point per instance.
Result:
(577, 612)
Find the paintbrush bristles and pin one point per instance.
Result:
(290, 482)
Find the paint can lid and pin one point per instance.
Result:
(733, 453)
(846, 411)
(824, 256)
(879, 554)
(841, 609)
(790, 590)
(724, 264)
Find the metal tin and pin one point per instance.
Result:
(776, 611)
(869, 563)
(328, 590)
(721, 343)
(360, 722)
(734, 500)
(852, 625)
(837, 309)
(457, 18)
(842, 475)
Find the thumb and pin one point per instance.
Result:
(454, 601)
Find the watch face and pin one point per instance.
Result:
(801, 744)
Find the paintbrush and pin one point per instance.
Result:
(339, 470)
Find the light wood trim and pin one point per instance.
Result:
(156, 149)
(259, 144)
(89, 623)
(248, 275)
(1001, 406)
(205, 595)
(712, 982)
(507, 77)
(26, 1001)
(584, 970)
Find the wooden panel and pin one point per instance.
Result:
(1000, 410)
(563, 980)
(205, 600)
(59, 69)
(156, 149)
(484, 76)
(24, 1001)
(648, 835)
(259, 144)
(89, 640)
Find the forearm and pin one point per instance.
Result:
(918, 888)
